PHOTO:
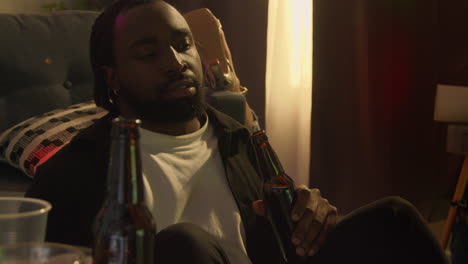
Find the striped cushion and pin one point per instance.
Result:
(30, 143)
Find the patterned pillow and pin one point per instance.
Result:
(30, 143)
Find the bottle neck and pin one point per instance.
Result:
(268, 161)
(125, 179)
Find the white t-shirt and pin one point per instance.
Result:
(184, 181)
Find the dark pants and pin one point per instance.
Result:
(188, 244)
(386, 231)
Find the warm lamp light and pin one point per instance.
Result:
(451, 104)
(288, 94)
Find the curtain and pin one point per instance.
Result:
(288, 92)
(376, 67)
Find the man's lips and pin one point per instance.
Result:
(179, 93)
(180, 88)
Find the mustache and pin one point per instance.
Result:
(180, 78)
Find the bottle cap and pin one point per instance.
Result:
(123, 126)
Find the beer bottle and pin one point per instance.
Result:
(278, 194)
(124, 228)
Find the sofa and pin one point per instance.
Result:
(46, 90)
(44, 65)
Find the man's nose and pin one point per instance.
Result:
(175, 63)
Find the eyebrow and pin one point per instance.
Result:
(181, 32)
(144, 41)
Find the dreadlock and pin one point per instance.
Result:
(102, 49)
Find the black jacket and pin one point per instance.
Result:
(74, 181)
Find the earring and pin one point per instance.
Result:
(112, 95)
(109, 97)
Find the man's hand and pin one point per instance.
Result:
(315, 217)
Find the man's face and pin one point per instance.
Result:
(157, 68)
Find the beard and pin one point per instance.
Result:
(166, 111)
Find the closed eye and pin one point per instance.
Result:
(183, 45)
(146, 55)
(152, 54)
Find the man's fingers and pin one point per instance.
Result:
(328, 225)
(317, 243)
(302, 227)
(314, 215)
(316, 224)
(259, 207)
(303, 198)
(314, 230)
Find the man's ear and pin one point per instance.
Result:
(110, 77)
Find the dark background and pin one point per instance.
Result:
(376, 67)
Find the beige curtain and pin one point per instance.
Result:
(288, 95)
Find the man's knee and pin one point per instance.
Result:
(400, 208)
(188, 243)
(183, 234)
(397, 203)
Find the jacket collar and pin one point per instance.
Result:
(224, 122)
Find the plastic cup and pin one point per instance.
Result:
(41, 253)
(23, 219)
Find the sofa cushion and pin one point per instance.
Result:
(30, 143)
(44, 63)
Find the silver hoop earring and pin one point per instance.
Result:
(109, 97)
(112, 95)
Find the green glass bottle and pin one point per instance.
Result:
(278, 195)
(124, 229)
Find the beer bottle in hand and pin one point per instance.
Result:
(124, 228)
(278, 194)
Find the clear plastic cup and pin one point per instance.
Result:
(23, 219)
(41, 253)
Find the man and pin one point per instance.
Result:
(200, 183)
